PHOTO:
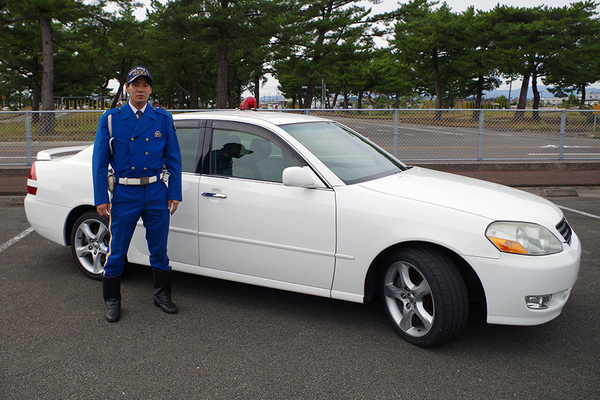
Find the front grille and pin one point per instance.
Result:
(565, 230)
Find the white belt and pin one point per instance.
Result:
(139, 181)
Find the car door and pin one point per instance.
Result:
(252, 227)
(183, 232)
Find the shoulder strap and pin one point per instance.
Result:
(110, 133)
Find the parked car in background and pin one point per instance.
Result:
(305, 204)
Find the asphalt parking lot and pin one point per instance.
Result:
(234, 341)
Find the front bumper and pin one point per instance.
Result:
(508, 279)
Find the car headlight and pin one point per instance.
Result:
(523, 238)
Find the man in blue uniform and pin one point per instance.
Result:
(138, 143)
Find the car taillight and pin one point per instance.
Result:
(32, 181)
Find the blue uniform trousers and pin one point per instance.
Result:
(128, 204)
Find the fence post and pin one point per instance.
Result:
(28, 136)
(395, 134)
(480, 138)
(561, 145)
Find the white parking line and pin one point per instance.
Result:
(553, 146)
(579, 212)
(565, 154)
(14, 240)
(434, 130)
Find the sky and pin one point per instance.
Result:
(270, 88)
(462, 5)
(455, 5)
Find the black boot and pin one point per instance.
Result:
(111, 289)
(162, 291)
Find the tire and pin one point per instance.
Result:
(89, 244)
(424, 296)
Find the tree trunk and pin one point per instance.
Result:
(523, 94)
(479, 92)
(222, 66)
(536, 95)
(582, 102)
(438, 84)
(101, 103)
(520, 115)
(257, 89)
(190, 93)
(181, 99)
(47, 119)
(47, 64)
(194, 95)
(35, 88)
(345, 97)
(117, 98)
(230, 101)
(35, 94)
(310, 92)
(478, 98)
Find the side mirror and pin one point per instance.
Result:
(299, 177)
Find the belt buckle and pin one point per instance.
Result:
(145, 180)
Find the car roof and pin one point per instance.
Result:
(272, 117)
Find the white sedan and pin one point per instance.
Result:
(305, 204)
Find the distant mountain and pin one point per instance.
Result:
(514, 93)
(516, 89)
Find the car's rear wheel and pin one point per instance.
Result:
(424, 296)
(89, 243)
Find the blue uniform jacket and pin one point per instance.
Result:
(140, 148)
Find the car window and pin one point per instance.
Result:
(188, 139)
(247, 155)
(352, 158)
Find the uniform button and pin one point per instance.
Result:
(132, 167)
(145, 168)
(132, 139)
(147, 139)
(146, 153)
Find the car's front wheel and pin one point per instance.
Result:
(89, 243)
(424, 295)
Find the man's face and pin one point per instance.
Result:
(236, 151)
(139, 91)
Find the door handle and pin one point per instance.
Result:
(214, 195)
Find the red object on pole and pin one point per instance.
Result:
(249, 103)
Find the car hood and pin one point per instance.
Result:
(486, 199)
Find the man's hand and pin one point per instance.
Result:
(103, 210)
(173, 204)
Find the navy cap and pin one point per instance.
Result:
(137, 72)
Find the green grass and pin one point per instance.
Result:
(81, 126)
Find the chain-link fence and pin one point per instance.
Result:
(23, 134)
(411, 135)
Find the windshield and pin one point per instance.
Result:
(349, 156)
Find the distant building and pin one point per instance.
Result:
(592, 96)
